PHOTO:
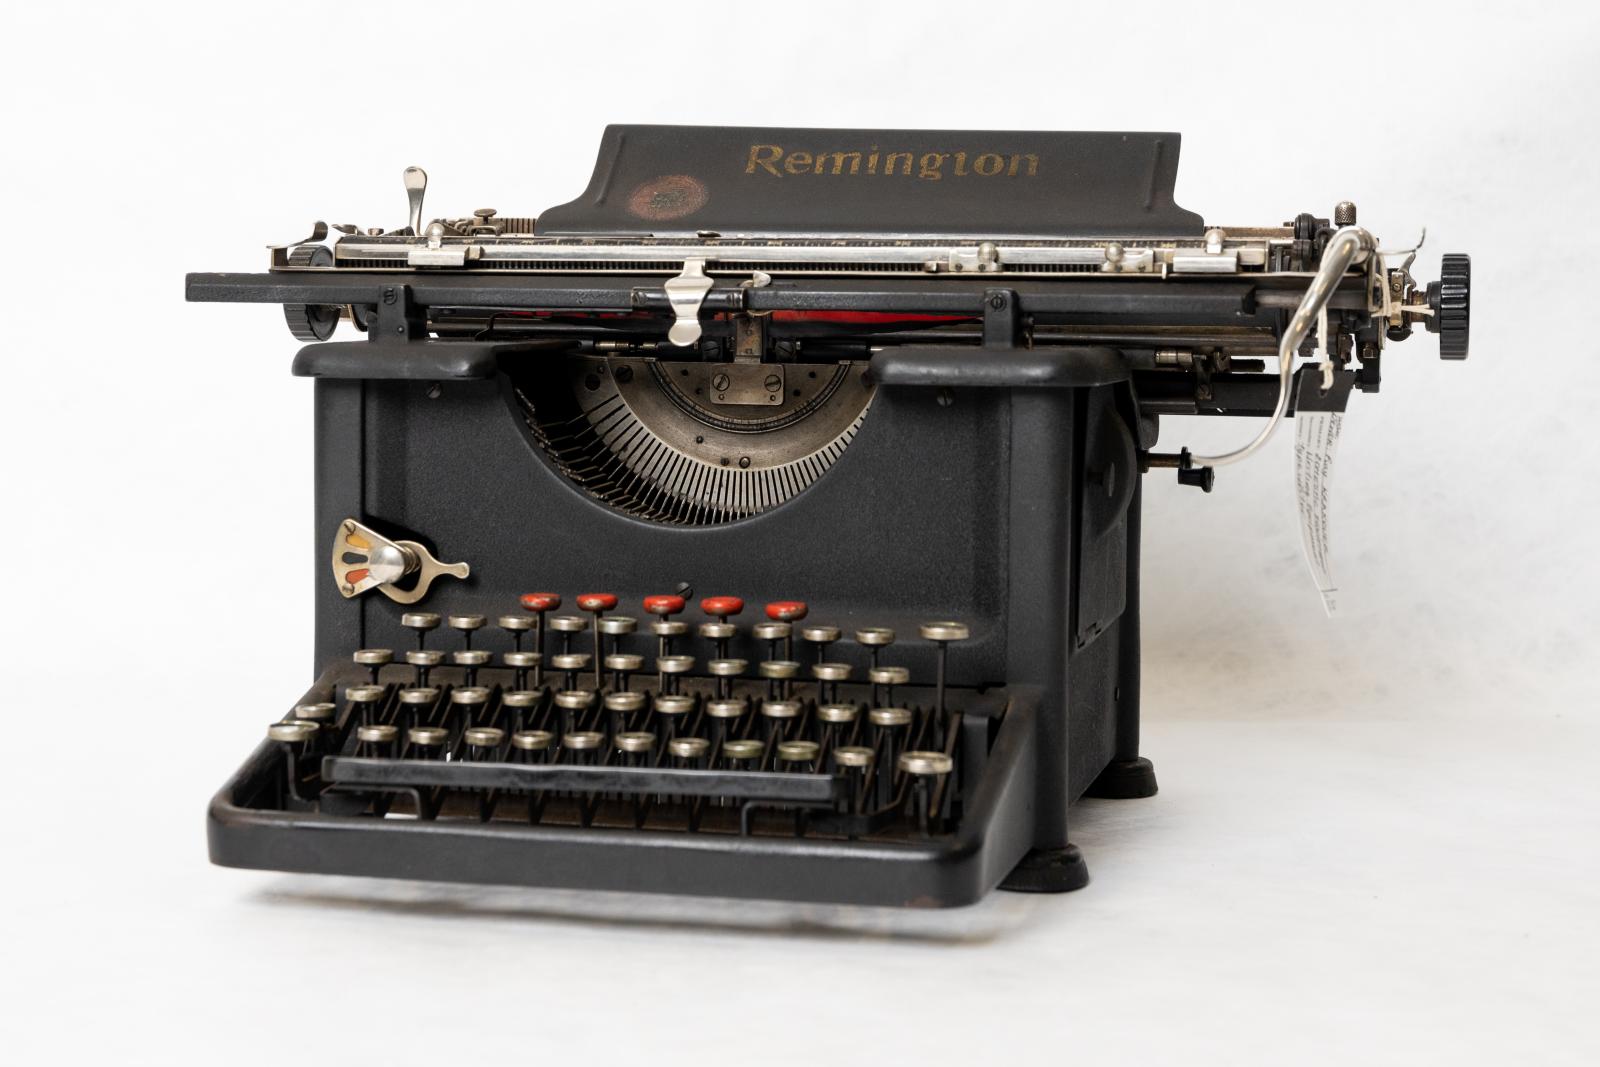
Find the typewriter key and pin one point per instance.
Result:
(570, 664)
(420, 622)
(466, 625)
(820, 638)
(669, 669)
(293, 731)
(689, 750)
(722, 608)
(539, 604)
(419, 696)
(470, 659)
(836, 714)
(730, 708)
(571, 702)
(636, 742)
(322, 712)
(424, 660)
(780, 709)
(363, 701)
(516, 626)
(923, 767)
(889, 717)
(617, 625)
(853, 761)
(664, 606)
(786, 610)
(521, 663)
(482, 741)
(874, 639)
(427, 740)
(890, 727)
(566, 626)
(740, 752)
(374, 659)
(469, 695)
(672, 707)
(798, 752)
(582, 744)
(725, 671)
(828, 676)
(519, 701)
(622, 665)
(852, 756)
(942, 633)
(884, 679)
(597, 604)
(377, 739)
(621, 705)
(773, 633)
(532, 740)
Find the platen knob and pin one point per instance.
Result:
(1450, 300)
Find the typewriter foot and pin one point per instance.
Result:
(1124, 779)
(1048, 870)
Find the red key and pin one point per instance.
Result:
(720, 607)
(786, 610)
(666, 604)
(597, 601)
(541, 602)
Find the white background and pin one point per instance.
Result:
(1377, 837)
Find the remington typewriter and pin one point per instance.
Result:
(765, 521)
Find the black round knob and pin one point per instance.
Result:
(1450, 299)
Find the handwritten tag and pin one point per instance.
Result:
(1316, 440)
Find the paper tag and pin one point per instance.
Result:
(1316, 439)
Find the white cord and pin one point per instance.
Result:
(1346, 247)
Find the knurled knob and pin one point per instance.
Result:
(1450, 300)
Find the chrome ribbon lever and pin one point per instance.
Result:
(364, 559)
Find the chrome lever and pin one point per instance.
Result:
(364, 559)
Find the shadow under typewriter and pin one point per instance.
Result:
(703, 786)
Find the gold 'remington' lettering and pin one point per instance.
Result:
(780, 162)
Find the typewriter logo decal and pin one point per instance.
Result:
(671, 196)
(872, 161)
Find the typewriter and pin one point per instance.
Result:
(765, 521)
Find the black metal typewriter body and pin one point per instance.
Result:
(765, 522)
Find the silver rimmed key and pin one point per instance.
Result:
(597, 604)
(567, 626)
(828, 676)
(924, 769)
(798, 754)
(321, 711)
(890, 726)
(635, 742)
(942, 634)
(571, 703)
(376, 740)
(419, 696)
(426, 742)
(778, 716)
(884, 679)
(742, 753)
(533, 741)
(774, 634)
(471, 700)
(689, 751)
(363, 701)
(874, 639)
(521, 663)
(420, 623)
(622, 706)
(582, 745)
(519, 701)
(725, 671)
(854, 762)
(293, 732)
(469, 660)
(622, 665)
(466, 626)
(671, 709)
(615, 627)
(570, 664)
(424, 660)
(852, 756)
(819, 637)
(374, 660)
(483, 741)
(669, 669)
(517, 626)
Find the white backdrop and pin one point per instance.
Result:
(1376, 839)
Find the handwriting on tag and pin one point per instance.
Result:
(1316, 439)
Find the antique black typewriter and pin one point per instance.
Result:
(765, 522)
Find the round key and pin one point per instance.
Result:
(357, 694)
(596, 603)
(625, 662)
(466, 624)
(471, 657)
(771, 631)
(675, 664)
(743, 748)
(418, 695)
(532, 740)
(664, 605)
(636, 741)
(673, 703)
(514, 624)
(852, 756)
(797, 751)
(689, 747)
(779, 668)
(889, 676)
(669, 628)
(323, 712)
(944, 631)
(725, 709)
(540, 602)
(293, 731)
(786, 610)
(820, 635)
(374, 657)
(378, 733)
(837, 713)
(427, 736)
(831, 672)
(726, 668)
(521, 661)
(925, 763)
(624, 702)
(875, 636)
(484, 736)
(420, 621)
(718, 631)
(424, 657)
(570, 661)
(890, 716)
(617, 625)
(469, 695)
(583, 740)
(722, 608)
(519, 698)
(569, 624)
(780, 709)
(574, 699)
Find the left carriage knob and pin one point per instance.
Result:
(364, 559)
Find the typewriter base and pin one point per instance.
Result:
(1048, 870)
(1125, 779)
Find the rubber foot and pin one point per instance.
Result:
(1126, 779)
(1049, 870)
